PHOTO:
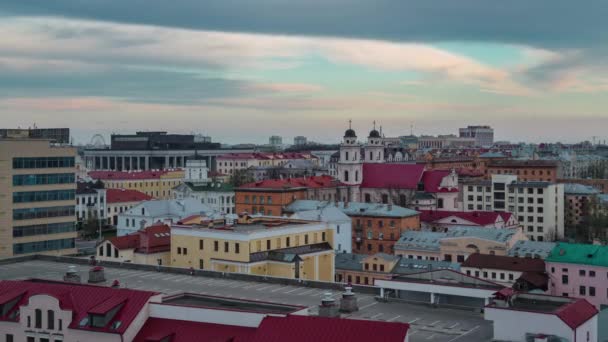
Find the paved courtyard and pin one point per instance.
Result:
(427, 324)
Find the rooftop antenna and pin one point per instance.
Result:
(374, 124)
(350, 121)
(412, 129)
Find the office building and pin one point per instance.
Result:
(483, 135)
(37, 198)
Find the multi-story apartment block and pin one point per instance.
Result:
(91, 202)
(578, 270)
(37, 198)
(579, 200)
(524, 274)
(157, 184)
(483, 135)
(277, 247)
(539, 206)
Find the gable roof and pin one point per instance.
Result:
(294, 328)
(396, 176)
(500, 262)
(576, 313)
(528, 248)
(481, 218)
(82, 299)
(125, 195)
(153, 239)
(577, 253)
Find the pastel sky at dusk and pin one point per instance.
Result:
(241, 71)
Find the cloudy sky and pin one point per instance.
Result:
(241, 71)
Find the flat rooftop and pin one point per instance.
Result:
(206, 301)
(538, 304)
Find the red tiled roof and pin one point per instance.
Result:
(500, 262)
(482, 218)
(124, 175)
(396, 176)
(130, 241)
(432, 181)
(125, 195)
(538, 279)
(576, 313)
(155, 329)
(290, 183)
(81, 299)
(320, 329)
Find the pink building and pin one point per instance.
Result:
(579, 270)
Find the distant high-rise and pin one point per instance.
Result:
(275, 140)
(484, 135)
(299, 141)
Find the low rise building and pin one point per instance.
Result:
(535, 317)
(523, 274)
(269, 246)
(119, 201)
(149, 246)
(230, 163)
(365, 269)
(155, 183)
(91, 202)
(532, 249)
(538, 206)
(218, 196)
(579, 270)
(268, 197)
(148, 213)
(443, 141)
(526, 170)
(457, 243)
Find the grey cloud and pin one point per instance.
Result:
(544, 23)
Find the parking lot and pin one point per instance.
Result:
(427, 324)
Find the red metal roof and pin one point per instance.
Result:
(320, 329)
(124, 175)
(432, 181)
(81, 299)
(125, 195)
(396, 176)
(155, 329)
(500, 262)
(290, 183)
(153, 239)
(482, 218)
(576, 313)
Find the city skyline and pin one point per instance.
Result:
(221, 69)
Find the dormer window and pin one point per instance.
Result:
(101, 315)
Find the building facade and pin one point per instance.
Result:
(276, 247)
(91, 202)
(538, 206)
(483, 135)
(157, 184)
(525, 170)
(119, 201)
(37, 197)
(149, 246)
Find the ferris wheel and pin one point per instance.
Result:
(98, 141)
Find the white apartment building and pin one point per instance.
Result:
(539, 206)
(91, 202)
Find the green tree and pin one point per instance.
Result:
(240, 177)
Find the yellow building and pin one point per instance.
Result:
(37, 198)
(276, 247)
(157, 184)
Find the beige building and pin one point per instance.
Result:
(37, 198)
(269, 246)
(150, 246)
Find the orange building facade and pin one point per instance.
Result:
(266, 201)
(526, 170)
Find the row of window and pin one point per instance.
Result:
(493, 275)
(370, 235)
(36, 213)
(237, 246)
(258, 200)
(89, 200)
(500, 186)
(375, 267)
(370, 247)
(43, 246)
(369, 223)
(42, 162)
(44, 179)
(517, 172)
(43, 229)
(43, 196)
(260, 210)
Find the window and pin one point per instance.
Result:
(9, 338)
(591, 291)
(38, 320)
(374, 267)
(366, 266)
(460, 258)
(323, 236)
(582, 273)
(226, 247)
(268, 242)
(201, 244)
(493, 275)
(50, 319)
(216, 246)
(565, 279)
(185, 250)
(447, 257)
(502, 276)
(582, 291)
(369, 246)
(358, 280)
(381, 268)
(510, 276)
(305, 240)
(592, 273)
(485, 274)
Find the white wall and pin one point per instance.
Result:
(193, 314)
